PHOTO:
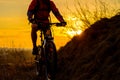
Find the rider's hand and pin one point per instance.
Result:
(63, 23)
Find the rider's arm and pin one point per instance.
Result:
(56, 12)
(31, 9)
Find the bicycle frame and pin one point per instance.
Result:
(45, 37)
(48, 33)
(46, 46)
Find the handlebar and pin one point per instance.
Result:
(55, 24)
(58, 24)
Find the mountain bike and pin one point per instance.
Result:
(46, 59)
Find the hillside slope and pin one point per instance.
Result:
(93, 55)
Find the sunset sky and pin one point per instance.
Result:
(14, 28)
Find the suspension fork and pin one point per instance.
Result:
(43, 42)
(45, 36)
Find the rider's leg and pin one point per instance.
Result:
(34, 37)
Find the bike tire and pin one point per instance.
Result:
(42, 72)
(51, 57)
(41, 69)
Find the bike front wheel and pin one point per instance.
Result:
(51, 57)
(41, 68)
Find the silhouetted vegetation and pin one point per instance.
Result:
(89, 13)
(93, 55)
(16, 64)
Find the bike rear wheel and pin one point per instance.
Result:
(51, 57)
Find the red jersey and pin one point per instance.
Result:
(41, 10)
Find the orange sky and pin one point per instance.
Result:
(14, 28)
(22, 39)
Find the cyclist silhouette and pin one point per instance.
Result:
(39, 12)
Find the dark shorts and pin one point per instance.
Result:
(44, 28)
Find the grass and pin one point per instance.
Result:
(16, 64)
